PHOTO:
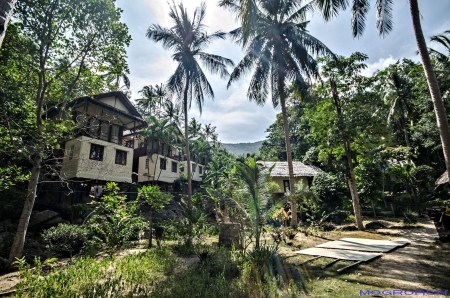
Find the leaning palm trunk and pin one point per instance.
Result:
(6, 10)
(439, 108)
(186, 137)
(294, 222)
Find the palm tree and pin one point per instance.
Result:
(279, 49)
(252, 175)
(172, 111)
(116, 73)
(161, 94)
(187, 38)
(208, 130)
(158, 135)
(443, 40)
(398, 95)
(195, 128)
(384, 24)
(147, 101)
(6, 11)
(408, 175)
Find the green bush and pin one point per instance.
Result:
(115, 221)
(330, 190)
(65, 239)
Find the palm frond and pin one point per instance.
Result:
(384, 16)
(216, 64)
(331, 8)
(300, 14)
(359, 12)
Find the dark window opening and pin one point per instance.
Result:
(96, 152)
(121, 157)
(200, 170)
(174, 167)
(129, 144)
(286, 185)
(162, 163)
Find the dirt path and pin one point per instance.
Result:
(423, 264)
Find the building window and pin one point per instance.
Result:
(116, 134)
(286, 185)
(94, 127)
(194, 167)
(129, 144)
(71, 152)
(147, 160)
(121, 157)
(162, 163)
(174, 167)
(104, 130)
(96, 152)
(200, 170)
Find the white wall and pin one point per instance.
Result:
(196, 176)
(114, 102)
(160, 175)
(81, 166)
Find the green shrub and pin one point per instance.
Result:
(65, 238)
(115, 221)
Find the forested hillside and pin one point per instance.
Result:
(243, 148)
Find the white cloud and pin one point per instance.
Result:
(381, 64)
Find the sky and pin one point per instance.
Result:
(236, 119)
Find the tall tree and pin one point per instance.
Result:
(347, 89)
(68, 47)
(6, 11)
(397, 90)
(187, 38)
(384, 24)
(278, 49)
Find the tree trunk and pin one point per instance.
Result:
(294, 221)
(353, 188)
(186, 137)
(19, 239)
(439, 108)
(6, 11)
(150, 236)
(348, 152)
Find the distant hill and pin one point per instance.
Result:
(243, 148)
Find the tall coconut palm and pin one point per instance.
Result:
(6, 11)
(384, 24)
(279, 50)
(188, 38)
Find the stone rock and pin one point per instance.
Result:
(373, 225)
(4, 236)
(348, 228)
(42, 218)
(229, 234)
(7, 226)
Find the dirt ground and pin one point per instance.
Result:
(423, 264)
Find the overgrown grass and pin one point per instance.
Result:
(132, 275)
